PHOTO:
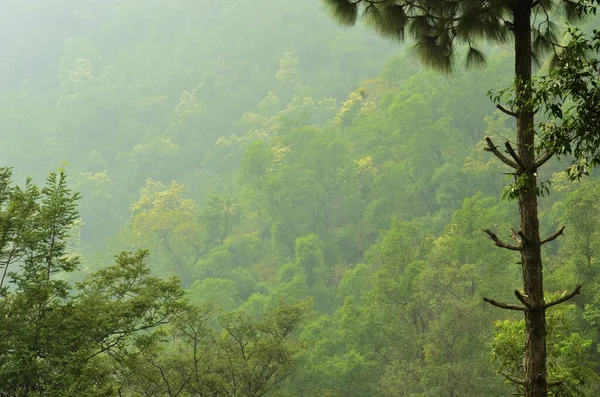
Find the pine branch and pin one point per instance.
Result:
(554, 236)
(494, 149)
(502, 305)
(500, 243)
(565, 298)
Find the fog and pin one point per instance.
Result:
(271, 205)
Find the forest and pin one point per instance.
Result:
(287, 198)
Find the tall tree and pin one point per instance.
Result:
(438, 27)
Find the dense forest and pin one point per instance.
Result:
(240, 198)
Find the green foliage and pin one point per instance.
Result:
(36, 227)
(302, 174)
(570, 97)
(569, 359)
(106, 335)
(437, 27)
(58, 338)
(249, 357)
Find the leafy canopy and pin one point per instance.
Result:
(570, 97)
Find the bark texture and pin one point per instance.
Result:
(531, 260)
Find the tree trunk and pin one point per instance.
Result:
(531, 261)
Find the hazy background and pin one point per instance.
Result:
(262, 153)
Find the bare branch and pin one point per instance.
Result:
(524, 238)
(565, 298)
(513, 379)
(512, 153)
(504, 305)
(545, 157)
(501, 243)
(555, 235)
(506, 111)
(515, 236)
(522, 298)
(494, 149)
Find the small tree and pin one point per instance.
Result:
(437, 26)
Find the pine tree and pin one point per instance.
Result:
(438, 27)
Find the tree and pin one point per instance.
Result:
(219, 354)
(437, 26)
(166, 223)
(57, 338)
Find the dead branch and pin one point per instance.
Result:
(504, 305)
(499, 242)
(555, 235)
(515, 236)
(542, 160)
(494, 149)
(565, 298)
(513, 154)
(524, 238)
(506, 111)
(513, 379)
(522, 298)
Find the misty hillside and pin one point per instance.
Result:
(271, 205)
